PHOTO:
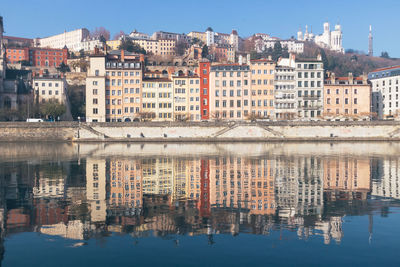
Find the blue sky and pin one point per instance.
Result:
(40, 18)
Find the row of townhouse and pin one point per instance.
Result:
(118, 89)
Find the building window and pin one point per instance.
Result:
(94, 91)
(95, 111)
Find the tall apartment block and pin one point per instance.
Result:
(113, 87)
(310, 84)
(204, 73)
(230, 96)
(285, 93)
(262, 87)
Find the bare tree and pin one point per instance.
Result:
(100, 31)
(118, 35)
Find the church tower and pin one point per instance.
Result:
(370, 48)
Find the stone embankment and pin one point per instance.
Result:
(201, 131)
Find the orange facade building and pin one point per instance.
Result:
(347, 96)
(37, 57)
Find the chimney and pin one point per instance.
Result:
(122, 55)
(41, 73)
(351, 79)
(269, 57)
(365, 78)
(96, 50)
(333, 77)
(141, 58)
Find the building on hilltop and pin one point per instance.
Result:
(36, 56)
(331, 40)
(71, 40)
(263, 42)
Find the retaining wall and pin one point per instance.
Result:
(201, 132)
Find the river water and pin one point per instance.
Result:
(111, 204)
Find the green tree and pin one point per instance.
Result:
(285, 52)
(277, 53)
(204, 52)
(52, 108)
(102, 39)
(76, 96)
(324, 59)
(63, 68)
(130, 46)
(385, 54)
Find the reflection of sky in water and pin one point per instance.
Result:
(276, 204)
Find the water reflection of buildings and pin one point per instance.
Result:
(195, 195)
(386, 177)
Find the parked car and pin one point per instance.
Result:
(34, 120)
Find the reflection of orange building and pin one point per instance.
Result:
(240, 183)
(126, 183)
(346, 178)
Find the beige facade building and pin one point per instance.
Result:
(230, 96)
(50, 88)
(347, 96)
(113, 87)
(186, 97)
(162, 47)
(262, 87)
(157, 99)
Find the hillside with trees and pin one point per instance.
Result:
(352, 61)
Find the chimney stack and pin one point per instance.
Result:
(122, 55)
(351, 79)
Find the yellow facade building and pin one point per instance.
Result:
(157, 99)
(262, 87)
(186, 97)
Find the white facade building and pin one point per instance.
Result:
(209, 36)
(264, 42)
(331, 40)
(139, 35)
(72, 40)
(50, 88)
(385, 92)
(285, 93)
(309, 85)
